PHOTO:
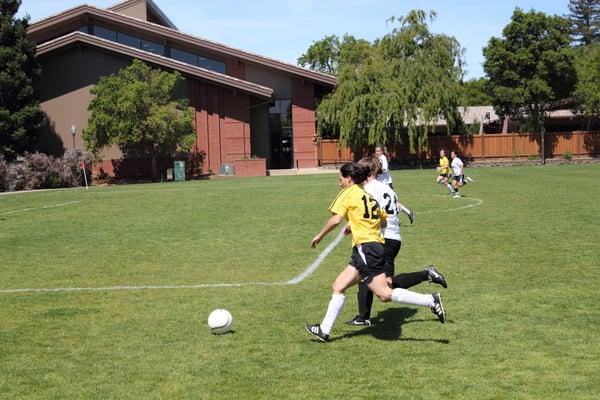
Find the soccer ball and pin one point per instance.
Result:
(220, 321)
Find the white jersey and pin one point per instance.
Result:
(387, 199)
(457, 166)
(385, 176)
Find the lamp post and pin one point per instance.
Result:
(73, 132)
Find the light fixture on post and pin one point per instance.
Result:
(73, 132)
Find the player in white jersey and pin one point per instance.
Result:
(386, 178)
(388, 201)
(458, 174)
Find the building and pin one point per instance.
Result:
(246, 105)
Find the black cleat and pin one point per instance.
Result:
(438, 308)
(411, 216)
(436, 276)
(316, 330)
(358, 321)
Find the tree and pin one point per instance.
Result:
(327, 54)
(475, 93)
(530, 66)
(585, 21)
(20, 114)
(136, 111)
(587, 89)
(408, 79)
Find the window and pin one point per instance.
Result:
(211, 64)
(105, 33)
(184, 56)
(128, 40)
(153, 47)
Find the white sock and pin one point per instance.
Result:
(450, 188)
(407, 297)
(336, 304)
(405, 210)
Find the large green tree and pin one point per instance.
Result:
(327, 54)
(475, 93)
(20, 114)
(406, 81)
(136, 110)
(587, 89)
(530, 67)
(585, 21)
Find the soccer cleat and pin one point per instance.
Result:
(469, 179)
(456, 196)
(316, 330)
(358, 321)
(438, 307)
(411, 216)
(436, 276)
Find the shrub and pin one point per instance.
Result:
(42, 171)
(568, 155)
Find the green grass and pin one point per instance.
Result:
(523, 301)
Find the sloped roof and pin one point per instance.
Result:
(44, 29)
(186, 69)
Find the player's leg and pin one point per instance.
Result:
(365, 303)
(410, 279)
(347, 278)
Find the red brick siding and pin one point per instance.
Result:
(222, 123)
(303, 124)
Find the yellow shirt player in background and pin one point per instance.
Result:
(367, 262)
(444, 172)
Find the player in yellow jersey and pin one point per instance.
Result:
(367, 263)
(444, 172)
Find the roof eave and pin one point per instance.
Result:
(197, 72)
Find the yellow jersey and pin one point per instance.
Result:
(444, 166)
(363, 213)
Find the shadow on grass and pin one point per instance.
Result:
(387, 325)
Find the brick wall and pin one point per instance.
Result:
(303, 124)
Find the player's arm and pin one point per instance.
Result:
(330, 225)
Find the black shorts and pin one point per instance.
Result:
(459, 178)
(369, 260)
(392, 247)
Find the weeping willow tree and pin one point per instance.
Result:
(408, 80)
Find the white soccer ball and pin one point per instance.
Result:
(220, 321)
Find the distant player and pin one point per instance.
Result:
(458, 174)
(444, 172)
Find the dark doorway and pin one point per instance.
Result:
(280, 134)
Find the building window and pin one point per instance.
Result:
(153, 47)
(281, 134)
(211, 64)
(105, 33)
(128, 40)
(184, 56)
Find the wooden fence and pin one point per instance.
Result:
(478, 147)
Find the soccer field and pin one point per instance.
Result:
(104, 293)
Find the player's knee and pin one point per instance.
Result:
(384, 297)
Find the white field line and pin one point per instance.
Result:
(40, 208)
(477, 202)
(299, 278)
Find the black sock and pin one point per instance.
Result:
(365, 301)
(409, 279)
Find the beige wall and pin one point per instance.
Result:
(281, 84)
(136, 10)
(67, 78)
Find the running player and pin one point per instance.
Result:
(368, 252)
(387, 198)
(444, 172)
(458, 174)
(386, 178)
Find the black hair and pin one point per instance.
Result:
(358, 173)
